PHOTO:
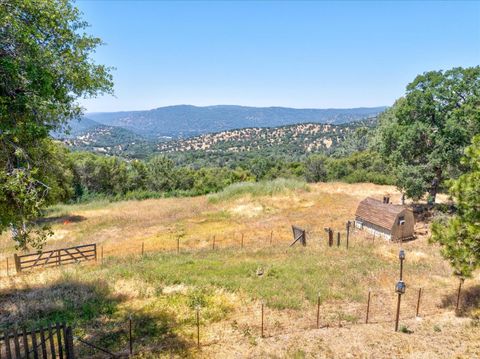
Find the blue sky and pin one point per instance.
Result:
(293, 54)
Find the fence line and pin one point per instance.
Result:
(319, 319)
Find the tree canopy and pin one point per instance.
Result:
(460, 234)
(45, 66)
(425, 133)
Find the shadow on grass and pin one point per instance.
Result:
(61, 219)
(95, 314)
(469, 301)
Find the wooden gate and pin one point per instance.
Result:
(50, 342)
(299, 235)
(56, 257)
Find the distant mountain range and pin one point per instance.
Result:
(188, 121)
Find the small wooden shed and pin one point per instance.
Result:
(392, 222)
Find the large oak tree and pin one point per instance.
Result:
(424, 134)
(45, 67)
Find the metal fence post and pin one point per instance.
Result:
(318, 311)
(418, 301)
(368, 308)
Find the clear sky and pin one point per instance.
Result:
(293, 54)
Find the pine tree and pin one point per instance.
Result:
(460, 235)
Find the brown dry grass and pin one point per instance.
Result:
(122, 227)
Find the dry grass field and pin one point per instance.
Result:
(162, 289)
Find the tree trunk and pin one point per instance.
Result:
(434, 186)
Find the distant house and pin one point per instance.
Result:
(392, 222)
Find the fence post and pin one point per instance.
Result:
(318, 311)
(69, 343)
(271, 237)
(262, 319)
(178, 244)
(338, 239)
(94, 246)
(242, 240)
(8, 269)
(18, 267)
(198, 326)
(397, 317)
(213, 243)
(368, 308)
(348, 232)
(101, 255)
(418, 301)
(458, 294)
(143, 248)
(130, 338)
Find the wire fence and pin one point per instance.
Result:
(255, 319)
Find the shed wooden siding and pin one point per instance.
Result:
(383, 218)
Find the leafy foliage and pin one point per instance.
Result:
(460, 235)
(366, 166)
(44, 67)
(424, 134)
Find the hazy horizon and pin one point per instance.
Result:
(234, 105)
(281, 54)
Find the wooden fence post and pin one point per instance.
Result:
(242, 240)
(8, 269)
(69, 343)
(178, 244)
(338, 239)
(8, 349)
(18, 267)
(418, 301)
(213, 243)
(143, 248)
(101, 255)
(271, 237)
(348, 231)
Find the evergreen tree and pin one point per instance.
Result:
(460, 235)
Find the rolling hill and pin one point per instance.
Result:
(293, 141)
(109, 140)
(188, 121)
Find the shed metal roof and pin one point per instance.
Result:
(378, 213)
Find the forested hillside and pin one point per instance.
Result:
(292, 141)
(187, 121)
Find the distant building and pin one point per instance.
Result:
(392, 222)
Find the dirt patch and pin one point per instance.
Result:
(248, 210)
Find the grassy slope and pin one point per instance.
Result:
(162, 289)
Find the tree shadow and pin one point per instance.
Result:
(469, 301)
(66, 219)
(94, 313)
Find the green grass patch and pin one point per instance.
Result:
(283, 280)
(255, 189)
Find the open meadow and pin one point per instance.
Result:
(227, 255)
